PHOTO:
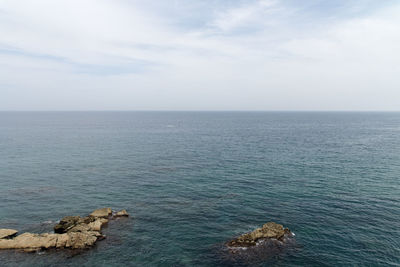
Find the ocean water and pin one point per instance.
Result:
(193, 180)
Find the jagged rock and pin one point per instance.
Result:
(67, 223)
(72, 232)
(102, 213)
(97, 224)
(83, 227)
(6, 233)
(81, 240)
(88, 219)
(268, 230)
(62, 240)
(121, 213)
(78, 224)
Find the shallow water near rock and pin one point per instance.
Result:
(192, 181)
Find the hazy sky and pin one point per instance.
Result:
(199, 55)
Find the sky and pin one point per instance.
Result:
(200, 55)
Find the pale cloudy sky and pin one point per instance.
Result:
(199, 55)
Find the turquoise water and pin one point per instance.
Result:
(194, 180)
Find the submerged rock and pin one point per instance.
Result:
(6, 233)
(71, 232)
(269, 230)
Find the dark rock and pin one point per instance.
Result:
(269, 230)
(67, 223)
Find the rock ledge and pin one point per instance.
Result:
(6, 233)
(73, 232)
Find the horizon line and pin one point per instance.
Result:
(200, 110)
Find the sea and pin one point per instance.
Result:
(193, 181)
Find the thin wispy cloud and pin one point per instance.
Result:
(246, 55)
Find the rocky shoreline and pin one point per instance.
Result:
(73, 232)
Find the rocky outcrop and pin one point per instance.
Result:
(66, 224)
(102, 213)
(121, 213)
(71, 232)
(6, 233)
(31, 241)
(77, 224)
(269, 230)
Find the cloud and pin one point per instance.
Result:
(198, 55)
(247, 16)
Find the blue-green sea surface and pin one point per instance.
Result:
(193, 180)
